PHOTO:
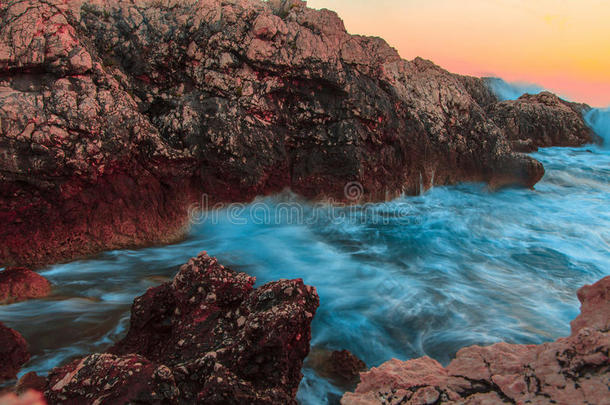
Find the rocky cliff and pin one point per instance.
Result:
(570, 371)
(117, 115)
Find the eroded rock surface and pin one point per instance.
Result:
(19, 284)
(207, 337)
(116, 116)
(540, 120)
(573, 370)
(13, 352)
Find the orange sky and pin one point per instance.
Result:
(562, 45)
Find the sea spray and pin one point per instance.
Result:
(511, 91)
(599, 120)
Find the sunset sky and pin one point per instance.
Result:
(562, 45)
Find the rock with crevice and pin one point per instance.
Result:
(207, 337)
(573, 370)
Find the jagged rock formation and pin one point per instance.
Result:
(20, 284)
(116, 116)
(13, 352)
(573, 370)
(207, 337)
(534, 121)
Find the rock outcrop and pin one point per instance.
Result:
(13, 353)
(116, 115)
(573, 370)
(540, 120)
(20, 284)
(81, 170)
(207, 337)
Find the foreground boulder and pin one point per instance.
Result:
(115, 117)
(573, 370)
(540, 120)
(13, 353)
(207, 337)
(19, 284)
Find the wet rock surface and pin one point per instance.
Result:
(340, 367)
(19, 284)
(13, 353)
(572, 370)
(207, 337)
(116, 116)
(540, 120)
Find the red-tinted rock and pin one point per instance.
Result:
(340, 367)
(19, 284)
(595, 307)
(570, 371)
(81, 170)
(117, 116)
(13, 353)
(541, 120)
(217, 339)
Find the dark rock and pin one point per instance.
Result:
(19, 284)
(342, 368)
(31, 381)
(13, 353)
(216, 339)
(541, 120)
(116, 116)
(572, 370)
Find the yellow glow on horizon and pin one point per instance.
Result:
(563, 45)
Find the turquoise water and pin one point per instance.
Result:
(421, 275)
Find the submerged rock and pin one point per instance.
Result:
(13, 353)
(540, 120)
(116, 117)
(572, 370)
(20, 284)
(207, 337)
(30, 382)
(342, 368)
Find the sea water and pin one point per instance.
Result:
(423, 275)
